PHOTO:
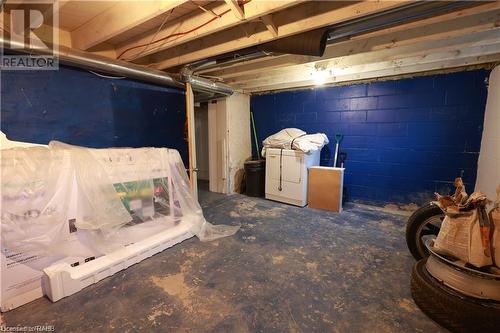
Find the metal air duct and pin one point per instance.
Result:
(106, 65)
(99, 63)
(311, 43)
(205, 85)
(202, 84)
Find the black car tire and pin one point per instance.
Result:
(452, 310)
(415, 221)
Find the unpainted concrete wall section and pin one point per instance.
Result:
(239, 145)
(488, 173)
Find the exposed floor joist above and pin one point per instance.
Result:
(471, 48)
(462, 38)
(201, 24)
(437, 28)
(110, 23)
(167, 35)
(299, 19)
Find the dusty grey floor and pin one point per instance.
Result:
(287, 270)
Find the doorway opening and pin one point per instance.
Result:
(201, 134)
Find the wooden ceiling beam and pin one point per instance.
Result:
(123, 16)
(419, 48)
(302, 18)
(236, 9)
(384, 73)
(269, 23)
(55, 9)
(352, 66)
(253, 10)
(44, 32)
(474, 19)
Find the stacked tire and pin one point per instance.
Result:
(448, 307)
(452, 310)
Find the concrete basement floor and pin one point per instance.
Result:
(288, 269)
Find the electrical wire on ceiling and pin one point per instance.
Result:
(175, 34)
(216, 17)
(206, 10)
(154, 36)
(108, 76)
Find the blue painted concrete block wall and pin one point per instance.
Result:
(78, 107)
(404, 139)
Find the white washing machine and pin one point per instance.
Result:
(286, 175)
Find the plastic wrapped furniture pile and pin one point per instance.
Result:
(83, 214)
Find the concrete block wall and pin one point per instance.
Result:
(78, 107)
(404, 139)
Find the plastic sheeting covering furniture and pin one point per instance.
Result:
(71, 201)
(296, 139)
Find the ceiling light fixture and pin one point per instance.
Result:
(320, 75)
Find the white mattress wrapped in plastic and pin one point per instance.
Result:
(294, 138)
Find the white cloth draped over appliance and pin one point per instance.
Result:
(294, 138)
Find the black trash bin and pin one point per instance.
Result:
(255, 177)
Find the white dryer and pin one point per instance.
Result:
(286, 174)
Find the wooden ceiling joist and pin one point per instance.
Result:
(382, 73)
(305, 17)
(236, 9)
(473, 46)
(194, 25)
(466, 54)
(421, 47)
(123, 16)
(269, 23)
(171, 33)
(438, 28)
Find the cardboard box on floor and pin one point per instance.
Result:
(21, 273)
(325, 188)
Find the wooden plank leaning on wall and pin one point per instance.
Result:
(191, 140)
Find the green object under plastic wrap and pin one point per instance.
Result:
(144, 199)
